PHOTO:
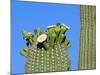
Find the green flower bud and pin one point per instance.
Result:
(52, 39)
(69, 45)
(57, 29)
(27, 35)
(37, 31)
(64, 28)
(24, 52)
(60, 38)
(67, 42)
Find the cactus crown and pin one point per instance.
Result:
(55, 34)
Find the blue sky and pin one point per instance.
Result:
(29, 15)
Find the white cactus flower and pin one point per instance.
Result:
(42, 38)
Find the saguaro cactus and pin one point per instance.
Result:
(88, 37)
(47, 51)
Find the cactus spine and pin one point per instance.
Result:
(47, 51)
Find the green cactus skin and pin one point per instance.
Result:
(53, 58)
(87, 58)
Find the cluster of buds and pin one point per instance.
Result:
(55, 34)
